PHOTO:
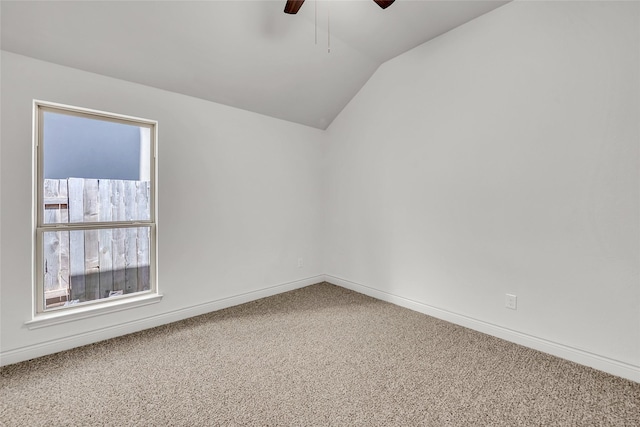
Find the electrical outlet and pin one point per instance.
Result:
(300, 262)
(511, 301)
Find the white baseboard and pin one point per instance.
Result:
(66, 343)
(582, 357)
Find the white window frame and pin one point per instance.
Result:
(42, 317)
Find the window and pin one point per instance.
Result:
(95, 202)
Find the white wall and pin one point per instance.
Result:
(501, 157)
(239, 203)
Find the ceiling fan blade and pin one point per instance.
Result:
(384, 3)
(293, 6)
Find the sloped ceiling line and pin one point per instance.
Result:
(246, 54)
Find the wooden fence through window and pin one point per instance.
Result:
(85, 265)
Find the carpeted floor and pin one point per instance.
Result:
(320, 355)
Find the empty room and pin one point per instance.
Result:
(300, 213)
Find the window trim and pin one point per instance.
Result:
(87, 311)
(102, 305)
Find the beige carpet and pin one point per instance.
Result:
(321, 355)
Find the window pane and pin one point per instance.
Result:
(95, 170)
(87, 265)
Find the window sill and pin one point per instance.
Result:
(71, 315)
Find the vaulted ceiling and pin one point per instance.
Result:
(246, 54)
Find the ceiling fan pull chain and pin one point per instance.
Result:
(328, 27)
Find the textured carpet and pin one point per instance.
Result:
(320, 355)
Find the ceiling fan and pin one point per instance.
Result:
(293, 6)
